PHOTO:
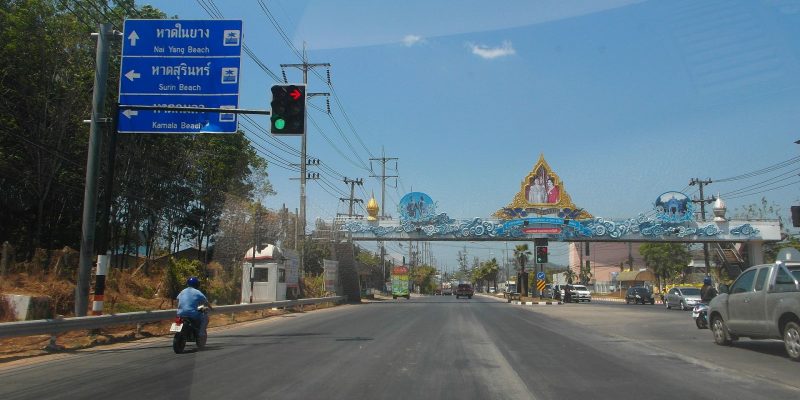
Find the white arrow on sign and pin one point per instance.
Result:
(130, 113)
(132, 75)
(133, 38)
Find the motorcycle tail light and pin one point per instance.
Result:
(178, 320)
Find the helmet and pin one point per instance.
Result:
(707, 280)
(193, 282)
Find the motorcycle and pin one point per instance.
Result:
(700, 315)
(187, 330)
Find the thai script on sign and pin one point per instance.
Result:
(178, 32)
(181, 70)
(178, 105)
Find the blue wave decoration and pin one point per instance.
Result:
(442, 225)
(744, 230)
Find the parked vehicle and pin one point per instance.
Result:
(187, 330)
(763, 303)
(639, 294)
(683, 297)
(578, 293)
(700, 315)
(464, 290)
(548, 291)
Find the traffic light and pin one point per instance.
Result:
(288, 114)
(541, 254)
(795, 216)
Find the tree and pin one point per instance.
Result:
(570, 275)
(370, 268)
(168, 191)
(667, 260)
(423, 277)
(586, 275)
(521, 255)
(314, 253)
(765, 210)
(45, 92)
(491, 270)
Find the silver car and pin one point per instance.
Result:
(684, 297)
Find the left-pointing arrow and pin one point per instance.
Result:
(130, 113)
(131, 75)
(133, 37)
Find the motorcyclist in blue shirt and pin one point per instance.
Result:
(188, 301)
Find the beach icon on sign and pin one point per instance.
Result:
(230, 75)
(227, 117)
(231, 37)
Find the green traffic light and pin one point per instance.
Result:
(280, 123)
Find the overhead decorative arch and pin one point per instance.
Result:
(542, 193)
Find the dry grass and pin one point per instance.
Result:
(126, 291)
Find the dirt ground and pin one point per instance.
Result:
(124, 294)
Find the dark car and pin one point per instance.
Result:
(639, 294)
(464, 289)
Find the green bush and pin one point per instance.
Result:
(313, 285)
(178, 272)
(225, 288)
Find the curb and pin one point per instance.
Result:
(535, 303)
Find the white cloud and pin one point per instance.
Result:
(411, 40)
(506, 49)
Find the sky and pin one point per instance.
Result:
(625, 99)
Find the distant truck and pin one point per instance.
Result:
(762, 303)
(464, 290)
(400, 282)
(447, 289)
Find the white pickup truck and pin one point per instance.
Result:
(763, 303)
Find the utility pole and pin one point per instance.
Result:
(352, 199)
(305, 66)
(383, 159)
(92, 163)
(703, 202)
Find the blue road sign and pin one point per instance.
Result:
(186, 63)
(157, 121)
(170, 76)
(539, 275)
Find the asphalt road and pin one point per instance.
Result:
(428, 348)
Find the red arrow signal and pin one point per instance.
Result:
(295, 94)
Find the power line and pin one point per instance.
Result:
(327, 80)
(775, 179)
(765, 190)
(762, 171)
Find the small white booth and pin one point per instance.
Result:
(263, 275)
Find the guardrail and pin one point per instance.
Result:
(54, 326)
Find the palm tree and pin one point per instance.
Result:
(492, 270)
(521, 254)
(570, 275)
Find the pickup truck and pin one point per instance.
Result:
(763, 303)
(464, 290)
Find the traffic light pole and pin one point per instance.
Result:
(304, 66)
